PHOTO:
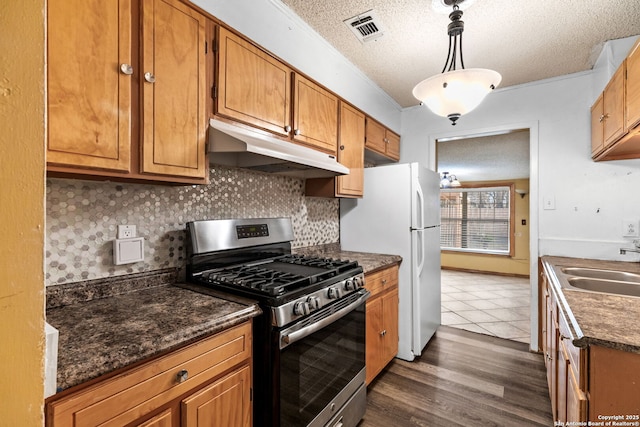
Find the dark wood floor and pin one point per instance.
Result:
(462, 379)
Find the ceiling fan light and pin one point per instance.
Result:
(456, 92)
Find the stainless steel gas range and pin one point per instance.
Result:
(309, 345)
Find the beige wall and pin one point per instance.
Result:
(516, 265)
(21, 212)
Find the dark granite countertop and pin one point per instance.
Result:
(370, 262)
(597, 318)
(105, 325)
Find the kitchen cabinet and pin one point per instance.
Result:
(564, 362)
(382, 320)
(607, 114)
(632, 98)
(350, 154)
(136, 110)
(255, 88)
(382, 144)
(615, 116)
(205, 383)
(252, 86)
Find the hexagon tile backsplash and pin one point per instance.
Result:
(82, 217)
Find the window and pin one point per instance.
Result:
(478, 219)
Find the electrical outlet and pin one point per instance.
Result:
(126, 231)
(629, 228)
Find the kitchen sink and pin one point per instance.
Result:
(616, 287)
(593, 273)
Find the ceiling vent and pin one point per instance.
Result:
(366, 26)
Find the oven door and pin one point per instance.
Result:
(322, 360)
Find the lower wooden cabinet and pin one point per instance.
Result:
(585, 384)
(382, 320)
(564, 362)
(207, 383)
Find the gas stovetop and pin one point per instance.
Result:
(252, 258)
(279, 276)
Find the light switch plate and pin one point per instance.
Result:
(128, 251)
(549, 202)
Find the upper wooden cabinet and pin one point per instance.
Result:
(615, 116)
(381, 142)
(315, 115)
(350, 154)
(174, 120)
(252, 86)
(633, 87)
(88, 85)
(255, 88)
(121, 107)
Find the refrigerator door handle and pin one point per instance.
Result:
(420, 235)
(419, 207)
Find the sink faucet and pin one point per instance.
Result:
(636, 243)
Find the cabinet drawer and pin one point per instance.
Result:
(381, 280)
(134, 393)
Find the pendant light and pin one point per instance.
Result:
(455, 92)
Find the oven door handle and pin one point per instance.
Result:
(288, 338)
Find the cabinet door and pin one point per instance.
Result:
(597, 133)
(89, 98)
(351, 151)
(374, 338)
(164, 419)
(252, 86)
(613, 107)
(576, 400)
(173, 89)
(226, 402)
(393, 145)
(375, 136)
(561, 384)
(633, 88)
(390, 307)
(315, 116)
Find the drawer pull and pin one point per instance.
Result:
(182, 376)
(384, 281)
(383, 333)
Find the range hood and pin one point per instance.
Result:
(244, 147)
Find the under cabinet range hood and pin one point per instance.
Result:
(243, 147)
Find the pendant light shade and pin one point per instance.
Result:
(453, 93)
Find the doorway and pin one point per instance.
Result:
(487, 158)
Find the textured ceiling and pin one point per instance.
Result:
(524, 40)
(486, 158)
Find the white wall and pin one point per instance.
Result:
(592, 198)
(281, 32)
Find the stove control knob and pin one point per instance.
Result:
(349, 285)
(301, 308)
(314, 303)
(334, 292)
(358, 282)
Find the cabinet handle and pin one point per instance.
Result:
(383, 333)
(287, 129)
(126, 69)
(342, 147)
(182, 376)
(384, 282)
(564, 337)
(150, 77)
(296, 132)
(602, 118)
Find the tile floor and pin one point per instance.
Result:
(488, 304)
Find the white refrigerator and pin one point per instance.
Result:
(400, 214)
